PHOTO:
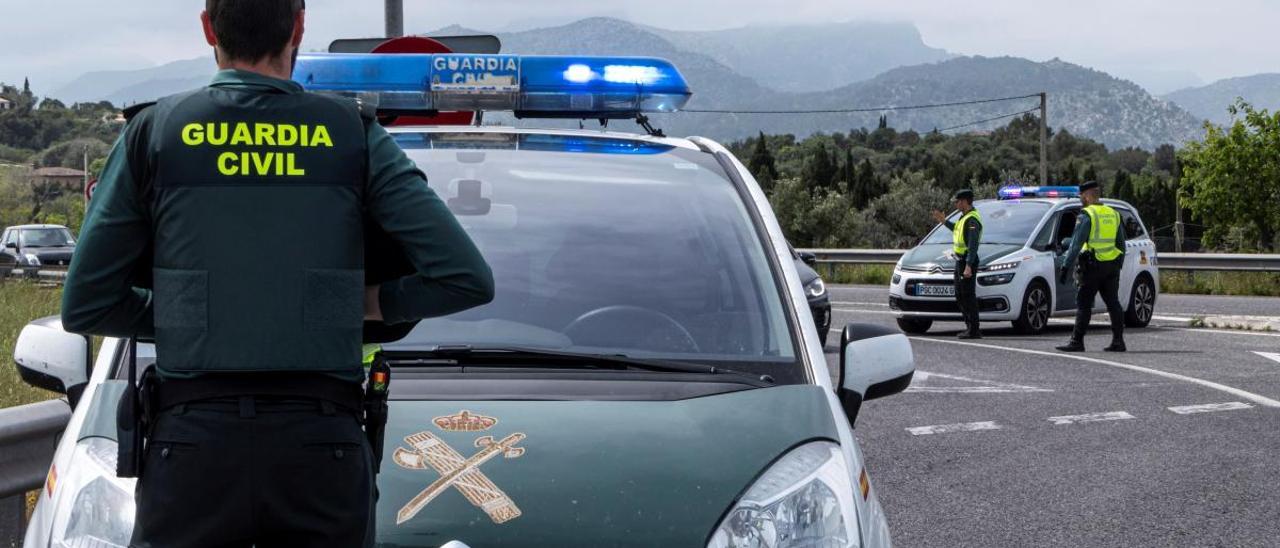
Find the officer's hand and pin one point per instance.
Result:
(938, 216)
(372, 308)
(968, 271)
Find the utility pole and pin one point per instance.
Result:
(1044, 137)
(395, 18)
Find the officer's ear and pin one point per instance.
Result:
(207, 24)
(299, 24)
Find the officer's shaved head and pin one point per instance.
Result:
(251, 30)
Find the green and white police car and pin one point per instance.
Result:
(648, 374)
(1025, 234)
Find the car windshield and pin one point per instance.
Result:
(45, 237)
(1003, 222)
(606, 246)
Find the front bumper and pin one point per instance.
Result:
(995, 302)
(820, 307)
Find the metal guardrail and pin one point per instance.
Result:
(28, 437)
(1209, 262)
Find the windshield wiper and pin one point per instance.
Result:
(569, 359)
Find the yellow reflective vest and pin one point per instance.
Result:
(958, 244)
(1104, 223)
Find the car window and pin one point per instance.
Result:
(1044, 239)
(10, 236)
(1133, 229)
(45, 237)
(605, 245)
(1003, 222)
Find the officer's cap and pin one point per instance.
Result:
(1087, 186)
(963, 194)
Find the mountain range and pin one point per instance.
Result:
(814, 67)
(1210, 102)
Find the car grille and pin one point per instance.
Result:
(985, 304)
(936, 269)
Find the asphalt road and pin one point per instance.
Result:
(1009, 443)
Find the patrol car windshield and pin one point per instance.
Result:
(1003, 222)
(46, 237)
(606, 246)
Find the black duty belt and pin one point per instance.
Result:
(305, 386)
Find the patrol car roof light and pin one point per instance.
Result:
(530, 86)
(1016, 192)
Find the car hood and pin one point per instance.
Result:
(62, 252)
(927, 255)
(806, 272)
(577, 473)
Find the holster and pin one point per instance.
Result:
(375, 406)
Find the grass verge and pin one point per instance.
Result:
(1243, 284)
(21, 302)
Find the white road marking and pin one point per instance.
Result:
(1210, 407)
(1090, 417)
(1171, 318)
(1273, 356)
(1261, 400)
(949, 428)
(860, 303)
(984, 387)
(861, 311)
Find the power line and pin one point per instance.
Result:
(863, 109)
(1001, 117)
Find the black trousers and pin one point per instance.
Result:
(1099, 278)
(967, 297)
(254, 472)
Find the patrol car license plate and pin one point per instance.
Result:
(930, 290)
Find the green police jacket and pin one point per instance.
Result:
(229, 222)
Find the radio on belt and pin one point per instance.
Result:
(529, 86)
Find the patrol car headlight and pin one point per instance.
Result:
(805, 500)
(101, 508)
(1000, 267)
(815, 288)
(32, 259)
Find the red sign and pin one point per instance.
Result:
(89, 187)
(422, 44)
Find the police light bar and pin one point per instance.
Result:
(530, 86)
(1016, 192)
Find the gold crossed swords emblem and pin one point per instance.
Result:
(462, 473)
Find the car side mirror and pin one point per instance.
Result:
(875, 361)
(50, 358)
(11, 245)
(1064, 244)
(808, 258)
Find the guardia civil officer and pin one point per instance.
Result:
(965, 235)
(1098, 245)
(228, 226)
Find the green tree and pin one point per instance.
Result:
(762, 164)
(819, 169)
(1232, 179)
(1090, 174)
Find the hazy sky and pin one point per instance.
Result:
(1148, 41)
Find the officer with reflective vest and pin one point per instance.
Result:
(966, 232)
(1098, 246)
(230, 226)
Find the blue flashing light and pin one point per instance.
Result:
(1017, 192)
(531, 86)
(528, 141)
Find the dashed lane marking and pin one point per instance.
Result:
(1273, 356)
(949, 428)
(1090, 417)
(1210, 407)
(976, 386)
(1260, 400)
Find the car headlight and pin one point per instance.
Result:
(815, 288)
(101, 511)
(1000, 266)
(805, 500)
(32, 259)
(996, 279)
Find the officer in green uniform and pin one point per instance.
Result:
(1098, 245)
(965, 235)
(229, 226)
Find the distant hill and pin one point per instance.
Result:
(123, 87)
(1083, 101)
(801, 58)
(1210, 102)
